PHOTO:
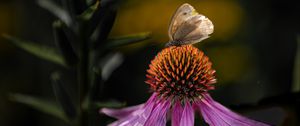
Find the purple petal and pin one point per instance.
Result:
(187, 118)
(210, 117)
(158, 116)
(176, 113)
(139, 116)
(120, 113)
(216, 114)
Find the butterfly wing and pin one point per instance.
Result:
(193, 30)
(183, 13)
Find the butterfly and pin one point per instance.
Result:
(188, 26)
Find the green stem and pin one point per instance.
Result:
(83, 74)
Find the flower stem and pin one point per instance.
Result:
(83, 80)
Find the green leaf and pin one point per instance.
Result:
(110, 63)
(64, 44)
(109, 104)
(62, 96)
(55, 10)
(96, 87)
(39, 104)
(296, 78)
(99, 19)
(41, 51)
(128, 39)
(103, 22)
(88, 13)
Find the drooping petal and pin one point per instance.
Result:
(187, 118)
(211, 117)
(216, 114)
(120, 113)
(158, 116)
(139, 116)
(176, 113)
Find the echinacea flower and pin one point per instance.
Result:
(180, 78)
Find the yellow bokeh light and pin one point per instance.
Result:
(155, 15)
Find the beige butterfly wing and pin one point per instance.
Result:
(183, 13)
(193, 30)
(188, 27)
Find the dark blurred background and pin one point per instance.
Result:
(253, 49)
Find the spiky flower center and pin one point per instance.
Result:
(181, 72)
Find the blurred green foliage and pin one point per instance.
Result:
(86, 28)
